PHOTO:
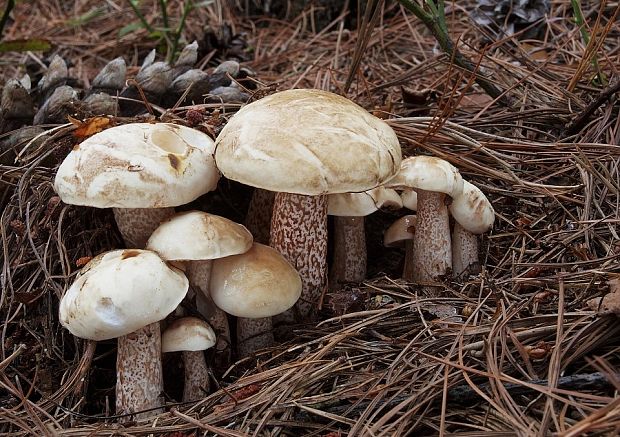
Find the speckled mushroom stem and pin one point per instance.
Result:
(196, 376)
(258, 218)
(137, 224)
(299, 233)
(139, 380)
(199, 274)
(464, 251)
(432, 251)
(253, 334)
(349, 263)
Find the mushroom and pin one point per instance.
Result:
(124, 294)
(434, 181)
(473, 215)
(254, 286)
(349, 210)
(197, 238)
(141, 170)
(192, 336)
(410, 199)
(401, 232)
(304, 144)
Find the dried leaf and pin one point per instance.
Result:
(90, 126)
(81, 262)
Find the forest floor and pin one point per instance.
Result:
(515, 349)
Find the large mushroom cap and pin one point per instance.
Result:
(196, 235)
(187, 334)
(255, 284)
(472, 210)
(308, 142)
(363, 204)
(119, 292)
(428, 173)
(138, 165)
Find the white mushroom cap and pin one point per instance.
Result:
(138, 165)
(257, 283)
(187, 334)
(473, 210)
(428, 173)
(307, 142)
(410, 199)
(363, 204)
(400, 231)
(119, 292)
(196, 235)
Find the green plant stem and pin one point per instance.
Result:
(585, 36)
(187, 7)
(136, 11)
(435, 22)
(5, 16)
(164, 14)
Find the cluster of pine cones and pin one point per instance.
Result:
(24, 107)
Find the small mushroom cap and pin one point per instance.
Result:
(363, 204)
(138, 165)
(428, 173)
(308, 142)
(258, 283)
(119, 292)
(400, 231)
(473, 210)
(187, 334)
(196, 235)
(410, 199)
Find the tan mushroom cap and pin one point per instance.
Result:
(196, 235)
(399, 231)
(363, 204)
(308, 142)
(428, 173)
(119, 292)
(255, 284)
(187, 334)
(472, 210)
(138, 165)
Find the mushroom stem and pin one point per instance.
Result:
(196, 376)
(139, 380)
(137, 224)
(464, 251)
(252, 335)
(258, 218)
(299, 233)
(349, 251)
(199, 275)
(432, 251)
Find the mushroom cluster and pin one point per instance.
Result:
(304, 145)
(308, 154)
(435, 189)
(144, 170)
